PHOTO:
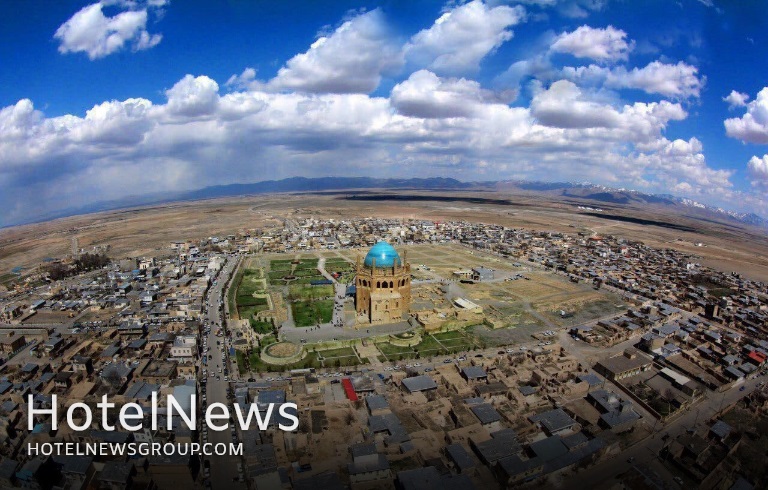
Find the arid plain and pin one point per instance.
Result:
(719, 243)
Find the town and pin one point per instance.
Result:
(413, 354)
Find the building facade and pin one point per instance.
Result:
(383, 286)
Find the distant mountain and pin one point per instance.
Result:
(582, 191)
(303, 184)
(293, 184)
(603, 194)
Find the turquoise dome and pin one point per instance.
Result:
(384, 254)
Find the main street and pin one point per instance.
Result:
(223, 468)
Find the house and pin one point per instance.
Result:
(184, 348)
(158, 372)
(474, 373)
(82, 364)
(12, 343)
(482, 274)
(419, 383)
(555, 421)
(487, 415)
(367, 464)
(630, 363)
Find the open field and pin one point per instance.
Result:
(150, 230)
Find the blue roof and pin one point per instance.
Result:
(384, 254)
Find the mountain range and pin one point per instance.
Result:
(583, 192)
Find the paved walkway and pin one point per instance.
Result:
(328, 332)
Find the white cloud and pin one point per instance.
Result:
(605, 45)
(443, 125)
(752, 127)
(316, 115)
(563, 105)
(460, 38)
(426, 95)
(678, 81)
(90, 31)
(736, 99)
(758, 171)
(351, 60)
(193, 96)
(243, 80)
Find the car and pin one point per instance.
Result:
(446, 361)
(631, 460)
(523, 348)
(417, 364)
(742, 388)
(426, 370)
(678, 480)
(408, 366)
(462, 358)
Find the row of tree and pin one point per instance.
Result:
(84, 263)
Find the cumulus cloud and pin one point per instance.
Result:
(426, 95)
(564, 105)
(351, 60)
(120, 148)
(604, 45)
(678, 81)
(243, 80)
(317, 113)
(736, 99)
(92, 32)
(758, 171)
(193, 96)
(460, 38)
(752, 127)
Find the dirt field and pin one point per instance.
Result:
(149, 231)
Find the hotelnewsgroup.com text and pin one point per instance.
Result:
(133, 449)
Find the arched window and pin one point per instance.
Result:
(391, 284)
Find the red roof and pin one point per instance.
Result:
(758, 357)
(349, 389)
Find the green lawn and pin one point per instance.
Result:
(259, 326)
(441, 336)
(240, 295)
(308, 313)
(307, 264)
(340, 352)
(305, 292)
(242, 365)
(394, 352)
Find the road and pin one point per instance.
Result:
(223, 468)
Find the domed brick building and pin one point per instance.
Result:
(382, 286)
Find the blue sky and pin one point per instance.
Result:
(104, 100)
